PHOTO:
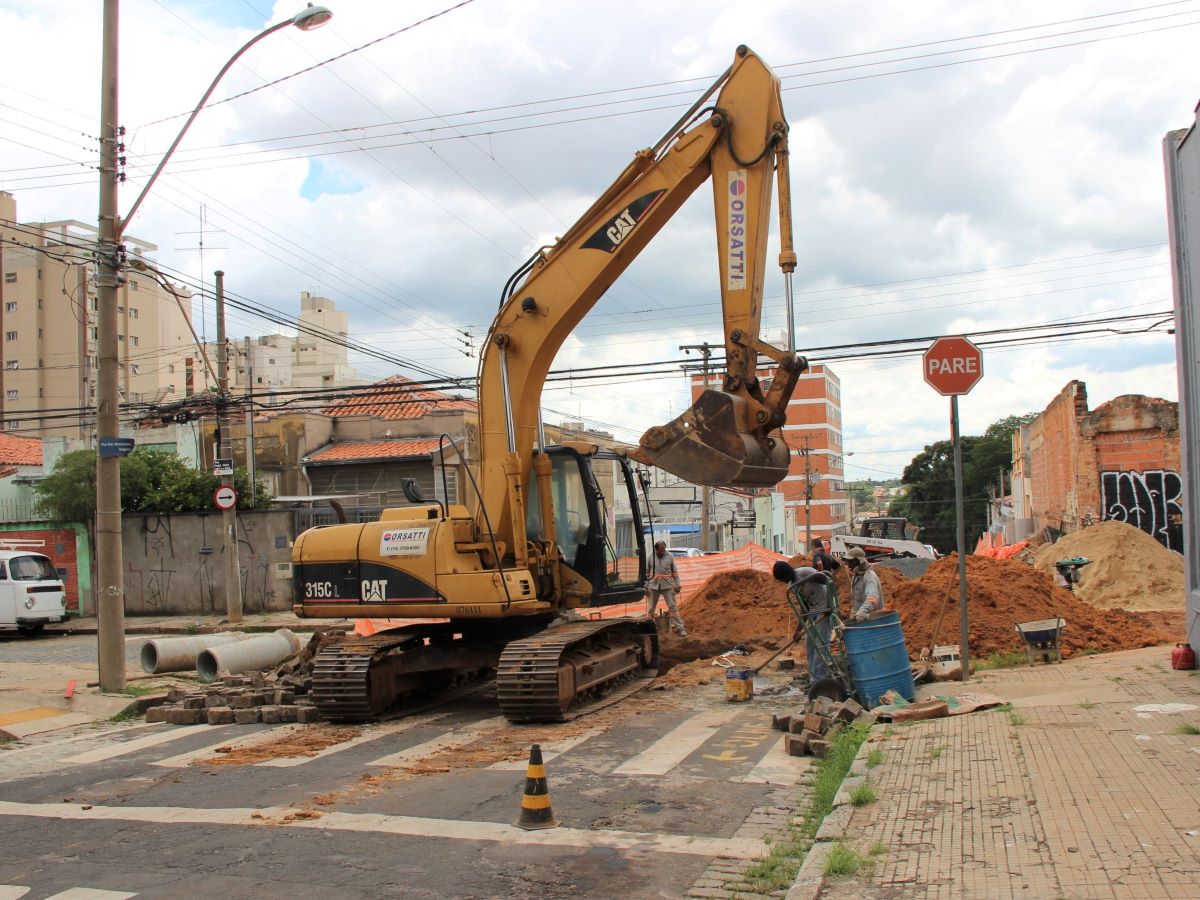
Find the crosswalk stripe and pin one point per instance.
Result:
(13, 891)
(676, 745)
(183, 760)
(90, 894)
(456, 738)
(550, 750)
(121, 748)
(776, 767)
(371, 735)
(41, 748)
(411, 826)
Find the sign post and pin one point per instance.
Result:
(952, 366)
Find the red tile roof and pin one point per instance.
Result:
(397, 398)
(20, 451)
(352, 451)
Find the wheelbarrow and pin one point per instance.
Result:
(1042, 638)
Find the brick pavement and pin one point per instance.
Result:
(1076, 793)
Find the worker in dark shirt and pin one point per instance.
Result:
(822, 561)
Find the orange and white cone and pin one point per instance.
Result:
(535, 804)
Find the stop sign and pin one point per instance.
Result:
(952, 365)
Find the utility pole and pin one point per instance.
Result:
(808, 493)
(110, 579)
(233, 574)
(705, 350)
(251, 467)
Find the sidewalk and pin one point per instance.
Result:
(151, 625)
(1083, 790)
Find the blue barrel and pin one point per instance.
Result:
(879, 659)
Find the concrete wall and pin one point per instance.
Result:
(174, 564)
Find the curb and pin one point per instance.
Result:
(149, 630)
(811, 877)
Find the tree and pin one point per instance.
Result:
(153, 480)
(928, 499)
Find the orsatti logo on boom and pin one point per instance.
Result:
(735, 254)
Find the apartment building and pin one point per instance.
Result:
(48, 328)
(813, 492)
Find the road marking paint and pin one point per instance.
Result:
(456, 738)
(91, 894)
(89, 736)
(550, 750)
(31, 714)
(121, 748)
(676, 745)
(183, 760)
(776, 767)
(412, 826)
(13, 891)
(373, 734)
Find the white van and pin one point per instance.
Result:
(31, 593)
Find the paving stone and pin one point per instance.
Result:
(181, 716)
(249, 716)
(216, 698)
(158, 713)
(241, 701)
(270, 715)
(307, 715)
(221, 715)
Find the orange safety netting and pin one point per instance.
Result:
(993, 546)
(693, 572)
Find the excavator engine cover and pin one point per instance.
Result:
(705, 446)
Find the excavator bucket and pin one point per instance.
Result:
(706, 446)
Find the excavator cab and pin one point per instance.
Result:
(597, 521)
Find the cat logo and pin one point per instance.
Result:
(609, 236)
(374, 591)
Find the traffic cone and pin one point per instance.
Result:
(535, 804)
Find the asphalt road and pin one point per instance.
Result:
(51, 647)
(649, 793)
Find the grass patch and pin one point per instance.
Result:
(936, 752)
(1087, 704)
(141, 690)
(1015, 719)
(877, 849)
(1004, 660)
(1004, 708)
(863, 794)
(4, 742)
(127, 715)
(874, 758)
(843, 860)
(1187, 728)
(779, 868)
(1088, 651)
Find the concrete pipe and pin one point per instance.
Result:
(179, 654)
(246, 656)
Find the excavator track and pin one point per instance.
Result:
(343, 688)
(570, 670)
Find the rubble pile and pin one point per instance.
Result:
(276, 696)
(1129, 568)
(811, 730)
(1001, 593)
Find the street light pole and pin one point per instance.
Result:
(110, 560)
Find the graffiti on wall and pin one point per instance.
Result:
(1151, 501)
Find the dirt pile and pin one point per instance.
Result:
(1129, 568)
(738, 606)
(1002, 593)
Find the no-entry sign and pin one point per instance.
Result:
(952, 365)
(225, 497)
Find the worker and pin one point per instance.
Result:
(866, 593)
(823, 561)
(663, 583)
(811, 588)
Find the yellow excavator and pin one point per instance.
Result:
(517, 576)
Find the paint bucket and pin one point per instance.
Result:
(739, 684)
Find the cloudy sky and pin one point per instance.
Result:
(955, 168)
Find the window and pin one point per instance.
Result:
(134, 369)
(133, 340)
(120, 337)
(12, 364)
(10, 335)
(120, 310)
(133, 313)
(32, 568)
(10, 277)
(11, 394)
(12, 424)
(171, 369)
(133, 285)
(10, 306)
(270, 362)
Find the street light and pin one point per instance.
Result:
(110, 577)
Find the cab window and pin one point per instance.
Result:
(3, 572)
(32, 568)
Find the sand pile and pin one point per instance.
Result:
(1001, 593)
(1129, 569)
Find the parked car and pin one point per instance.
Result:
(31, 593)
(679, 552)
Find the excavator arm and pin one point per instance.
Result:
(730, 437)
